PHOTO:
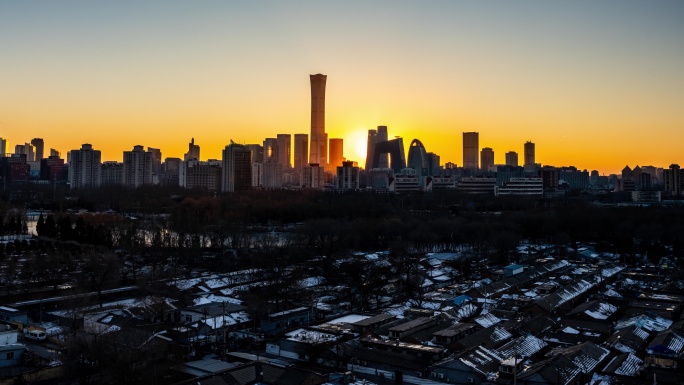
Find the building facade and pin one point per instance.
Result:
(471, 149)
(319, 139)
(137, 167)
(237, 168)
(85, 168)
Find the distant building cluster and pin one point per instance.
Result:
(319, 164)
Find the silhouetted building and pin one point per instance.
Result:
(529, 154)
(435, 165)
(171, 171)
(270, 150)
(256, 152)
(381, 179)
(395, 149)
(203, 175)
(313, 176)
(301, 151)
(347, 176)
(14, 169)
(271, 175)
(193, 151)
(575, 178)
(487, 159)
(550, 178)
(85, 168)
(156, 163)
(137, 167)
(318, 139)
(53, 169)
(39, 146)
(673, 180)
(505, 173)
(284, 150)
(56, 153)
(382, 136)
(237, 168)
(4, 147)
(27, 149)
(418, 159)
(336, 152)
(512, 158)
(370, 146)
(471, 149)
(112, 173)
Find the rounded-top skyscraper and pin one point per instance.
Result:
(319, 139)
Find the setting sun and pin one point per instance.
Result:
(357, 141)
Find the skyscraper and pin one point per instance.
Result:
(193, 151)
(336, 151)
(4, 147)
(382, 137)
(529, 154)
(486, 159)
(319, 139)
(370, 148)
(85, 168)
(270, 150)
(28, 149)
(471, 149)
(237, 168)
(285, 150)
(512, 158)
(301, 151)
(40, 148)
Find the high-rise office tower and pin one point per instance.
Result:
(270, 150)
(336, 151)
(193, 151)
(237, 168)
(27, 149)
(487, 159)
(418, 159)
(256, 152)
(4, 147)
(471, 149)
(319, 139)
(137, 167)
(156, 161)
(285, 150)
(512, 158)
(301, 151)
(370, 147)
(85, 168)
(529, 154)
(54, 152)
(382, 137)
(40, 148)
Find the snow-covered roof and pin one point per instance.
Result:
(487, 320)
(310, 336)
(603, 311)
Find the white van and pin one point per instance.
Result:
(36, 335)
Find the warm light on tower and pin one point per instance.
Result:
(319, 139)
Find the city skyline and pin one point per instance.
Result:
(596, 86)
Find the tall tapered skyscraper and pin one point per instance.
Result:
(319, 139)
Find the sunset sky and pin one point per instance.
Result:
(595, 84)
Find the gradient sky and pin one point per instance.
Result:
(595, 84)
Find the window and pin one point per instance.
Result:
(10, 355)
